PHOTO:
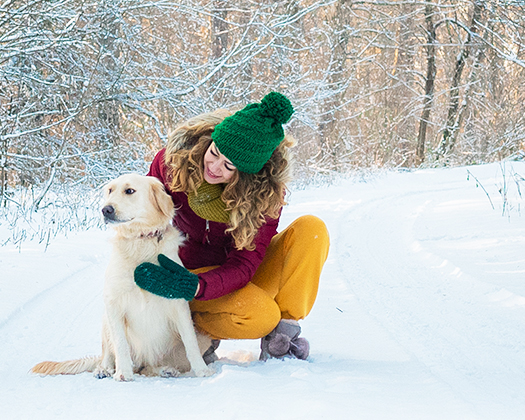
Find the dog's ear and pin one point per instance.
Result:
(161, 200)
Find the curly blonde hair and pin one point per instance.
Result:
(249, 198)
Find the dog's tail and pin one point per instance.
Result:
(70, 367)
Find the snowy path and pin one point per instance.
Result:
(420, 315)
(443, 317)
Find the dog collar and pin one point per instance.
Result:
(156, 234)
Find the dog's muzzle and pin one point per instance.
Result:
(110, 215)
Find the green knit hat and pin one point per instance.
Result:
(249, 137)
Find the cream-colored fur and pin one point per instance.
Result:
(141, 332)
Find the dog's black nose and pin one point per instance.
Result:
(108, 212)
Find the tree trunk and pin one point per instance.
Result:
(401, 98)
(453, 122)
(328, 137)
(472, 80)
(219, 46)
(246, 79)
(429, 85)
(3, 168)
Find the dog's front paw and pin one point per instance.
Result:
(101, 373)
(123, 376)
(201, 373)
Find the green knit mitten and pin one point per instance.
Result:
(171, 280)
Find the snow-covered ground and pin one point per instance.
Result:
(420, 315)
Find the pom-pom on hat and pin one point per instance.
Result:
(249, 137)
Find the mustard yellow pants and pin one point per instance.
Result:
(284, 286)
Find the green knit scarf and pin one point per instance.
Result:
(207, 203)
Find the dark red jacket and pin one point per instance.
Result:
(207, 244)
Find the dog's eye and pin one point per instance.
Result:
(110, 190)
(129, 191)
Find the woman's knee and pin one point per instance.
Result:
(311, 228)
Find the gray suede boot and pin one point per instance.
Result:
(209, 355)
(284, 341)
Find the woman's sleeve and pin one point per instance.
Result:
(239, 267)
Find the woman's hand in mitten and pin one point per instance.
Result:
(169, 280)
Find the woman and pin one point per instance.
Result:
(226, 175)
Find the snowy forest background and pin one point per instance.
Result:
(90, 89)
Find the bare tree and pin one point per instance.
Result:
(336, 82)
(453, 122)
(429, 83)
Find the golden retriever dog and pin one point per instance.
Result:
(141, 332)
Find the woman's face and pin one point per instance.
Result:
(217, 169)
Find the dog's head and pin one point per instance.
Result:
(136, 199)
